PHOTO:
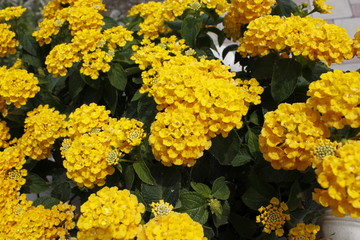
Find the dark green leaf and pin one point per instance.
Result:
(47, 202)
(245, 227)
(94, 83)
(294, 197)
(174, 25)
(285, 8)
(62, 192)
(254, 199)
(117, 76)
(129, 176)
(284, 78)
(111, 97)
(202, 189)
(220, 34)
(223, 218)
(132, 71)
(225, 149)
(28, 42)
(263, 66)
(190, 28)
(109, 22)
(220, 190)
(143, 172)
(76, 85)
(31, 60)
(35, 184)
(195, 205)
(208, 232)
(228, 49)
(242, 157)
(252, 139)
(119, 167)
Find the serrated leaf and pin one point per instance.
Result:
(62, 192)
(190, 28)
(202, 189)
(35, 184)
(47, 202)
(117, 76)
(195, 205)
(223, 218)
(143, 172)
(219, 189)
(284, 79)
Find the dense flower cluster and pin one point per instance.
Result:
(20, 220)
(336, 97)
(161, 208)
(43, 125)
(155, 14)
(201, 100)
(303, 231)
(242, 12)
(96, 143)
(339, 175)
(110, 214)
(172, 226)
(289, 135)
(305, 36)
(273, 217)
(321, 6)
(17, 86)
(11, 13)
(357, 43)
(4, 135)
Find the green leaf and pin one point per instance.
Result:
(190, 28)
(284, 78)
(252, 139)
(174, 25)
(35, 184)
(202, 189)
(220, 34)
(195, 205)
(117, 76)
(76, 85)
(242, 157)
(31, 60)
(294, 196)
(111, 97)
(223, 218)
(167, 186)
(263, 67)
(254, 199)
(62, 192)
(225, 149)
(229, 48)
(285, 8)
(129, 176)
(220, 190)
(132, 71)
(47, 202)
(208, 232)
(109, 22)
(245, 227)
(143, 172)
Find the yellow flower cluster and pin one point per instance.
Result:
(321, 6)
(4, 135)
(8, 43)
(303, 231)
(242, 12)
(17, 86)
(81, 14)
(339, 176)
(289, 134)
(357, 43)
(172, 226)
(43, 125)
(155, 14)
(336, 97)
(305, 36)
(96, 144)
(273, 217)
(88, 46)
(110, 214)
(11, 13)
(201, 100)
(20, 220)
(161, 208)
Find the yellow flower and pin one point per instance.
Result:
(117, 36)
(94, 62)
(339, 175)
(336, 97)
(4, 135)
(303, 231)
(43, 125)
(356, 45)
(110, 214)
(8, 43)
(289, 135)
(161, 208)
(11, 13)
(273, 217)
(321, 6)
(172, 226)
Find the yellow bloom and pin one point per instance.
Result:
(172, 226)
(356, 45)
(161, 208)
(339, 176)
(336, 97)
(303, 231)
(321, 6)
(289, 134)
(4, 135)
(11, 13)
(8, 43)
(110, 214)
(273, 217)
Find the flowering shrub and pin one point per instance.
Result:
(139, 130)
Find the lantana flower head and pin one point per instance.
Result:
(303, 231)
